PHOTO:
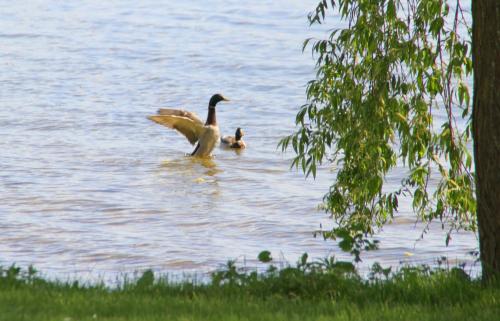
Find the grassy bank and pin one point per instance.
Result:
(309, 291)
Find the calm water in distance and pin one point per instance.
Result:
(90, 188)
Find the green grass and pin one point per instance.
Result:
(310, 291)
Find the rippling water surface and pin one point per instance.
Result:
(90, 187)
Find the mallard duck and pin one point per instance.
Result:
(236, 141)
(190, 125)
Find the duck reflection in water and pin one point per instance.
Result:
(192, 166)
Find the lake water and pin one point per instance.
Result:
(90, 188)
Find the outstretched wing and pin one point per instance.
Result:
(180, 113)
(184, 122)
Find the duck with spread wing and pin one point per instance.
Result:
(190, 125)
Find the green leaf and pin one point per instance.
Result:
(265, 256)
(303, 259)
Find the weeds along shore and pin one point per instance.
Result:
(322, 290)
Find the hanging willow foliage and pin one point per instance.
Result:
(372, 107)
